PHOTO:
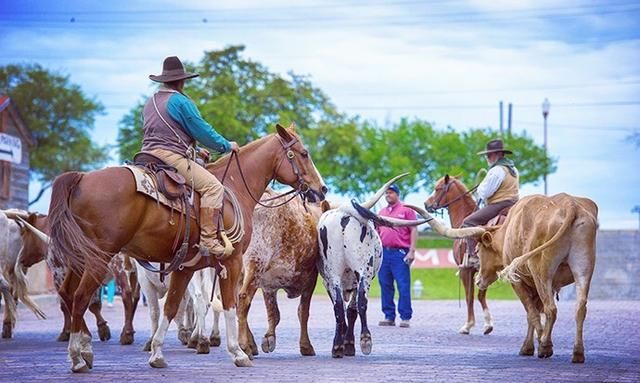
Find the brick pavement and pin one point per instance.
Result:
(429, 351)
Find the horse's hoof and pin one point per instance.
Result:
(349, 348)
(366, 344)
(487, 330)
(88, 358)
(243, 362)
(184, 335)
(63, 337)
(337, 352)
(158, 363)
(253, 347)
(545, 351)
(104, 332)
(307, 350)
(527, 351)
(464, 331)
(203, 346)
(147, 346)
(80, 368)
(126, 338)
(268, 343)
(214, 340)
(192, 343)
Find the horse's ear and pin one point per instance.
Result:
(282, 132)
(292, 126)
(446, 178)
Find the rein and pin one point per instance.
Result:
(302, 186)
(444, 193)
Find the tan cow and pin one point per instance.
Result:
(544, 244)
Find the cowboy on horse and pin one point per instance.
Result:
(499, 190)
(172, 124)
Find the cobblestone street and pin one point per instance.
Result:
(431, 350)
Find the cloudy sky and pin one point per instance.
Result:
(448, 62)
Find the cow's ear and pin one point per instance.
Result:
(486, 238)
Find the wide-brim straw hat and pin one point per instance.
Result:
(495, 146)
(172, 70)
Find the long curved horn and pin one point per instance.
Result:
(385, 221)
(447, 232)
(373, 200)
(15, 213)
(36, 231)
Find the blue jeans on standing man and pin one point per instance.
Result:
(394, 268)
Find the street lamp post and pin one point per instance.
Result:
(545, 112)
(636, 209)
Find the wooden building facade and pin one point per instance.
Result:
(16, 142)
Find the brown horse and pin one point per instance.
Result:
(451, 194)
(97, 214)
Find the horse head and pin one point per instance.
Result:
(448, 190)
(300, 172)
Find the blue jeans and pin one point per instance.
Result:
(394, 268)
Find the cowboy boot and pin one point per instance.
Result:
(209, 218)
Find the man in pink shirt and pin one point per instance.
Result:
(398, 252)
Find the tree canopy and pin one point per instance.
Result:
(60, 117)
(242, 99)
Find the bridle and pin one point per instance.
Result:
(445, 190)
(302, 186)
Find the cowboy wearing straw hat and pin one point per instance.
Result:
(172, 123)
(499, 190)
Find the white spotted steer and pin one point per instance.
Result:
(350, 256)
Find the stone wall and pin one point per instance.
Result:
(617, 273)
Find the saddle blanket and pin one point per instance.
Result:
(146, 184)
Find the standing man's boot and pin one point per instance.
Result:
(209, 231)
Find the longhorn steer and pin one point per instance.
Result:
(350, 256)
(282, 255)
(544, 244)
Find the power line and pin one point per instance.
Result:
(485, 106)
(580, 127)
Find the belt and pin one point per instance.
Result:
(396, 248)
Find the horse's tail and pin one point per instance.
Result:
(69, 244)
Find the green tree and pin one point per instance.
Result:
(242, 100)
(60, 117)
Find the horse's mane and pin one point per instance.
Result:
(222, 161)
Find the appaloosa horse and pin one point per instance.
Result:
(451, 194)
(95, 215)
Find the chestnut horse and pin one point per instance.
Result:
(95, 215)
(451, 194)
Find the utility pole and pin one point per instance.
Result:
(636, 209)
(545, 113)
(509, 116)
(501, 125)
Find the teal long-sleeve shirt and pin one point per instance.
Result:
(184, 111)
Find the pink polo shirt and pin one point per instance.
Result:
(396, 237)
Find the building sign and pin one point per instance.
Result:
(434, 258)
(10, 148)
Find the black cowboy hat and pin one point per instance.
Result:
(172, 70)
(495, 146)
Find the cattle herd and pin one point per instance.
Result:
(544, 244)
